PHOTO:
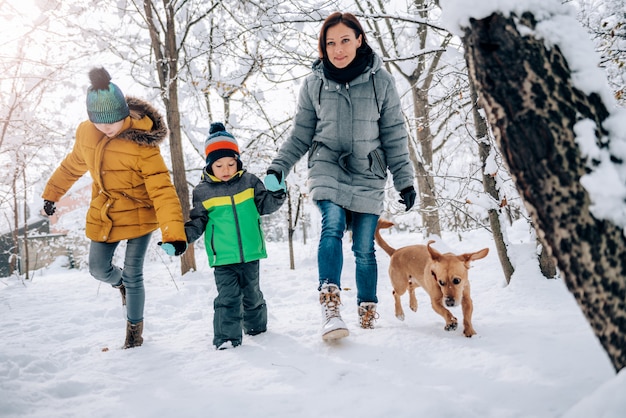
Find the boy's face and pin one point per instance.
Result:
(224, 168)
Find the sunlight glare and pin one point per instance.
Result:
(17, 17)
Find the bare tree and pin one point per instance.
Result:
(167, 41)
(533, 106)
(489, 183)
(606, 23)
(420, 77)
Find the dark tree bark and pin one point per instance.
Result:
(532, 106)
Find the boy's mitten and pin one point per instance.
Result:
(173, 248)
(274, 181)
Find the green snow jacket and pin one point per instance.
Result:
(229, 215)
(353, 133)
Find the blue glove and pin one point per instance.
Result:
(274, 181)
(408, 197)
(173, 248)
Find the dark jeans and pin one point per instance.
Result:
(239, 303)
(330, 253)
(101, 267)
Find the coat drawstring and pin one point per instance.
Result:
(319, 95)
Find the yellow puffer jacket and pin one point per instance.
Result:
(132, 193)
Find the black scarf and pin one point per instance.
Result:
(363, 58)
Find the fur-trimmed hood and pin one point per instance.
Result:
(132, 192)
(138, 110)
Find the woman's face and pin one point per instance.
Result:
(341, 45)
(110, 129)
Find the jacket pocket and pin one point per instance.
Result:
(212, 243)
(378, 163)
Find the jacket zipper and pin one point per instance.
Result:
(238, 228)
(213, 243)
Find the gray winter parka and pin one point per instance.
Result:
(353, 133)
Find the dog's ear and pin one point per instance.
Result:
(468, 257)
(434, 254)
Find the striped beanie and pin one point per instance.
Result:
(105, 101)
(219, 144)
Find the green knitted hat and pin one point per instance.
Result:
(105, 101)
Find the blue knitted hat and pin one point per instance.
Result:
(105, 101)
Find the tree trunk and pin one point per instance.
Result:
(290, 229)
(166, 58)
(15, 260)
(532, 106)
(188, 259)
(26, 256)
(546, 264)
(489, 184)
(425, 179)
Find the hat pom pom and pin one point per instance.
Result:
(99, 78)
(216, 127)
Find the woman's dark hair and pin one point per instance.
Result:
(336, 18)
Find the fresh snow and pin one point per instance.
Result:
(534, 356)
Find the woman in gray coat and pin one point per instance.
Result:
(349, 121)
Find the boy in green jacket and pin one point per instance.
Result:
(227, 207)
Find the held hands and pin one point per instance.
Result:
(49, 207)
(173, 248)
(408, 196)
(275, 182)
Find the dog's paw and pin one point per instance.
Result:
(451, 326)
(469, 332)
(400, 317)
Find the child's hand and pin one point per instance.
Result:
(173, 248)
(274, 181)
(279, 194)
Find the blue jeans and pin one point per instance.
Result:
(330, 255)
(101, 267)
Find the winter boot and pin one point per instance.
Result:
(133, 334)
(367, 314)
(122, 291)
(333, 328)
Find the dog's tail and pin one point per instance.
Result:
(383, 224)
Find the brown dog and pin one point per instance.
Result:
(443, 277)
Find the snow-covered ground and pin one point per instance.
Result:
(534, 355)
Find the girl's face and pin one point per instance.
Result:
(224, 168)
(110, 129)
(341, 45)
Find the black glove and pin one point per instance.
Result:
(173, 248)
(408, 197)
(49, 207)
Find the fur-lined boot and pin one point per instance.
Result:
(333, 327)
(133, 334)
(367, 314)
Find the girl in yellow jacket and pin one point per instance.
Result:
(132, 193)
